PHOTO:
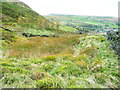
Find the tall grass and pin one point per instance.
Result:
(41, 46)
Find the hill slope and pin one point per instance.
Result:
(17, 16)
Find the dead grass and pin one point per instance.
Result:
(42, 46)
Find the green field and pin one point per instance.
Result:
(90, 23)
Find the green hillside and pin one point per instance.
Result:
(18, 17)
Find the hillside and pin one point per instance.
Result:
(18, 17)
(86, 23)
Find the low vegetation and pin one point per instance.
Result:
(84, 61)
(39, 32)
(41, 46)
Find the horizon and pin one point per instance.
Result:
(78, 15)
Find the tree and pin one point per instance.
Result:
(52, 25)
(57, 24)
(52, 19)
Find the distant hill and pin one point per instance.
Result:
(86, 23)
(17, 16)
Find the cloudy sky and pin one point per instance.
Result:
(75, 7)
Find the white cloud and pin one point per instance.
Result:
(77, 7)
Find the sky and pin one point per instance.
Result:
(75, 7)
